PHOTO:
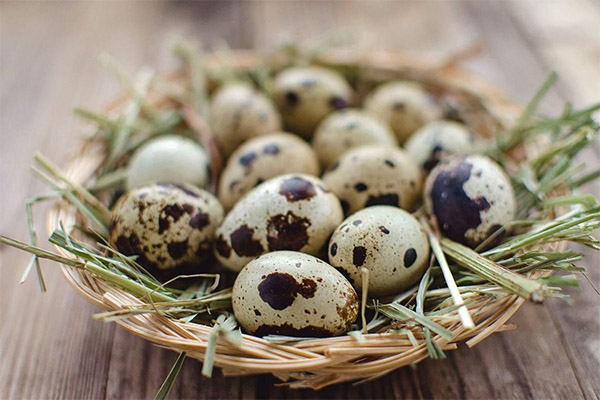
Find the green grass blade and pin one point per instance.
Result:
(167, 385)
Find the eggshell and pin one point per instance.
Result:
(374, 175)
(471, 197)
(404, 106)
(293, 294)
(438, 140)
(347, 129)
(169, 158)
(290, 212)
(386, 240)
(170, 228)
(306, 95)
(261, 159)
(239, 112)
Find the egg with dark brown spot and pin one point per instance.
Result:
(375, 175)
(290, 212)
(170, 228)
(239, 112)
(263, 158)
(293, 294)
(389, 242)
(438, 140)
(306, 95)
(404, 106)
(347, 129)
(471, 197)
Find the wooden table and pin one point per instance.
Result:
(50, 347)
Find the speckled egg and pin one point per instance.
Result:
(370, 176)
(239, 112)
(169, 227)
(289, 212)
(261, 159)
(169, 158)
(438, 140)
(404, 106)
(347, 129)
(386, 240)
(471, 197)
(307, 95)
(293, 294)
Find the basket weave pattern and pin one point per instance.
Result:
(309, 363)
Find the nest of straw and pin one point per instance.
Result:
(312, 363)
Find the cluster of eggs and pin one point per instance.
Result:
(299, 213)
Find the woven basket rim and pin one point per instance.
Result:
(312, 363)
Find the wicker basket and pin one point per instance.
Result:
(320, 362)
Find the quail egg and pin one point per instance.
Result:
(169, 227)
(437, 140)
(289, 212)
(293, 294)
(263, 158)
(306, 95)
(239, 112)
(347, 129)
(404, 106)
(169, 158)
(471, 197)
(386, 240)
(374, 175)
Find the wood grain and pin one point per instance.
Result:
(52, 348)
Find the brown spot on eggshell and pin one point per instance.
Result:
(222, 247)
(271, 148)
(434, 158)
(455, 211)
(289, 330)
(287, 232)
(388, 199)
(199, 221)
(130, 246)
(399, 106)
(297, 189)
(279, 289)
(292, 98)
(247, 159)
(337, 103)
(360, 187)
(359, 253)
(174, 211)
(410, 256)
(243, 242)
(333, 249)
(177, 249)
(349, 310)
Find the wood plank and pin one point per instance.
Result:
(567, 321)
(50, 352)
(568, 38)
(42, 335)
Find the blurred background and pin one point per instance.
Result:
(49, 344)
